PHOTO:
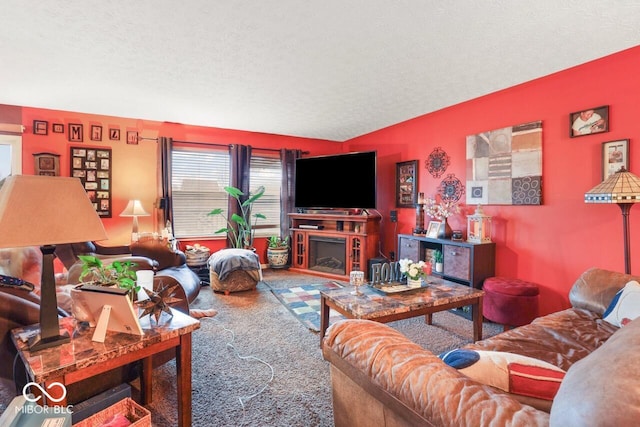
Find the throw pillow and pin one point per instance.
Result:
(510, 372)
(625, 305)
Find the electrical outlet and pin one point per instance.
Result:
(394, 215)
(392, 255)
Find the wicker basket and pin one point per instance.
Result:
(139, 416)
(197, 258)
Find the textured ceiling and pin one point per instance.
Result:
(331, 69)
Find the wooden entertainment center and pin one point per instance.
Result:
(333, 245)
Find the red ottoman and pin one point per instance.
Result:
(510, 302)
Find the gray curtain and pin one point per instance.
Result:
(287, 187)
(240, 162)
(165, 146)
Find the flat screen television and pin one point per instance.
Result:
(341, 181)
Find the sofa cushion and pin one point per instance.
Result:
(506, 371)
(602, 389)
(625, 305)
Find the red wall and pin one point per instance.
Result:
(554, 243)
(551, 244)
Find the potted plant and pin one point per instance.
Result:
(239, 226)
(414, 272)
(438, 259)
(117, 273)
(278, 251)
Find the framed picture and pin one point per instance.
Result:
(93, 167)
(114, 134)
(407, 184)
(40, 127)
(96, 133)
(615, 154)
(75, 132)
(589, 121)
(433, 229)
(46, 164)
(57, 128)
(132, 137)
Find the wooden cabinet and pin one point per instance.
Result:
(464, 262)
(333, 245)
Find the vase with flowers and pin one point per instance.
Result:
(413, 271)
(440, 211)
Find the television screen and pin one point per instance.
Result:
(346, 181)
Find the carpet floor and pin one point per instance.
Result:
(255, 364)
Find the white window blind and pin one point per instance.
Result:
(267, 171)
(197, 184)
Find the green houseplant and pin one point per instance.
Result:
(438, 259)
(278, 251)
(117, 273)
(239, 226)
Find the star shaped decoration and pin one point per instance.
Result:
(158, 302)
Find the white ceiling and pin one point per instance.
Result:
(331, 69)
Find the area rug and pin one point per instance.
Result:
(304, 303)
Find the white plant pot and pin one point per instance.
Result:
(414, 283)
(439, 267)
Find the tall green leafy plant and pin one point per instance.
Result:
(239, 226)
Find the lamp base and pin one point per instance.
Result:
(38, 343)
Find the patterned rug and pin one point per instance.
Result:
(304, 303)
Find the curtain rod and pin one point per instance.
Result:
(276, 150)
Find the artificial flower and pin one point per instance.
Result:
(413, 270)
(442, 210)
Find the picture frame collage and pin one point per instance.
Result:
(92, 165)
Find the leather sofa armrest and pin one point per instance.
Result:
(112, 250)
(159, 251)
(595, 288)
(390, 366)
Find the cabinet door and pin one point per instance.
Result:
(356, 254)
(457, 261)
(409, 248)
(299, 249)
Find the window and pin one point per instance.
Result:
(197, 185)
(267, 171)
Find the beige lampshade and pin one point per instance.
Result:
(134, 208)
(46, 210)
(620, 187)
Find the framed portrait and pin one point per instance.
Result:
(433, 229)
(92, 165)
(46, 164)
(407, 184)
(615, 154)
(96, 133)
(40, 127)
(589, 121)
(57, 128)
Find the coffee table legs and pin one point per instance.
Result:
(324, 317)
(476, 313)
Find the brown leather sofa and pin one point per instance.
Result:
(381, 378)
(169, 264)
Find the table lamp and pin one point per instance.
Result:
(622, 188)
(45, 211)
(134, 208)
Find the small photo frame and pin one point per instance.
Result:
(75, 132)
(40, 127)
(47, 164)
(615, 154)
(132, 137)
(114, 134)
(407, 184)
(96, 133)
(57, 128)
(589, 121)
(433, 229)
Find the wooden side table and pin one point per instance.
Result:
(83, 358)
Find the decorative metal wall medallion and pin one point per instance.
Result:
(451, 188)
(437, 162)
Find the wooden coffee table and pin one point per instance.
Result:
(437, 295)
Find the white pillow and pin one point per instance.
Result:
(625, 305)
